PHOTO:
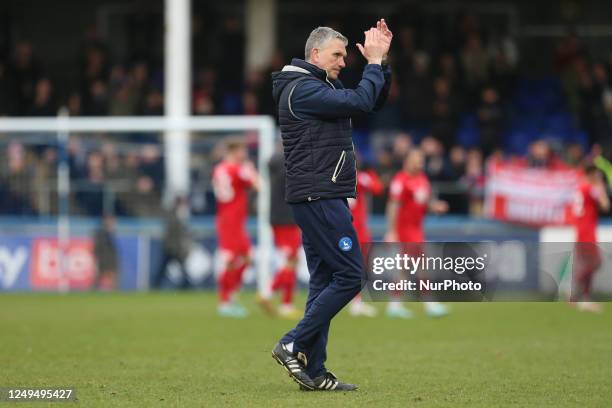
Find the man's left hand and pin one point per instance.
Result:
(387, 35)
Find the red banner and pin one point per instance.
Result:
(532, 196)
(78, 264)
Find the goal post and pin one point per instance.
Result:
(62, 126)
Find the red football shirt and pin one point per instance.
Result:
(367, 183)
(231, 182)
(586, 213)
(413, 193)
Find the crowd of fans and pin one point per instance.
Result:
(456, 99)
(102, 179)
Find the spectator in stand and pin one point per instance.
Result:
(77, 159)
(402, 143)
(123, 98)
(504, 56)
(447, 68)
(457, 162)
(404, 51)
(90, 191)
(94, 80)
(126, 177)
(144, 201)
(113, 167)
(44, 103)
(17, 177)
(97, 101)
(388, 120)
(45, 182)
(74, 104)
(25, 71)
(139, 84)
(595, 103)
(416, 93)
(474, 181)
(574, 155)
(445, 112)
(491, 120)
(435, 163)
(249, 103)
(204, 94)
(154, 103)
(151, 163)
(451, 190)
(475, 62)
(541, 155)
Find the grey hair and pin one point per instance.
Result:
(320, 36)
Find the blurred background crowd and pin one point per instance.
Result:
(465, 90)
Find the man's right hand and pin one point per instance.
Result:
(374, 47)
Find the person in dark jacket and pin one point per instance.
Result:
(105, 254)
(315, 113)
(176, 242)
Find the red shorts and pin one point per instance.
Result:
(288, 238)
(237, 244)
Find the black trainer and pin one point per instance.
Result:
(295, 364)
(329, 382)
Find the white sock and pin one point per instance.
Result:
(289, 347)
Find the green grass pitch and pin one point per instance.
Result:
(171, 350)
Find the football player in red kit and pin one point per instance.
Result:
(409, 201)
(287, 238)
(232, 179)
(368, 184)
(590, 197)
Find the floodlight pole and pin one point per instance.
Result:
(177, 94)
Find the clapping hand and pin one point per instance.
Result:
(377, 43)
(374, 47)
(387, 35)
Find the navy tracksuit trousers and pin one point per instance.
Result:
(335, 264)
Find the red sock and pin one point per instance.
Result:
(278, 280)
(237, 277)
(285, 281)
(289, 286)
(229, 281)
(225, 285)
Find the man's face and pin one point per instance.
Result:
(415, 161)
(330, 57)
(241, 154)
